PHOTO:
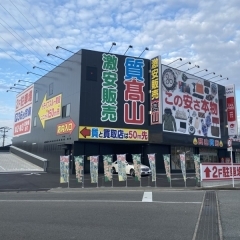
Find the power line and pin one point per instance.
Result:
(32, 25)
(4, 130)
(13, 58)
(19, 37)
(24, 28)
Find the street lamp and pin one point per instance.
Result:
(196, 66)
(24, 81)
(113, 44)
(184, 64)
(216, 76)
(180, 59)
(208, 74)
(40, 68)
(145, 49)
(19, 85)
(17, 88)
(201, 71)
(130, 46)
(222, 79)
(12, 91)
(35, 74)
(47, 63)
(49, 54)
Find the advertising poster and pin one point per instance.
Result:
(231, 110)
(23, 112)
(155, 90)
(196, 158)
(94, 169)
(107, 165)
(183, 166)
(152, 163)
(121, 160)
(79, 167)
(119, 134)
(137, 166)
(166, 158)
(64, 169)
(190, 104)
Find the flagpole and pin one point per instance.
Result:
(83, 172)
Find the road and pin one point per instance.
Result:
(134, 214)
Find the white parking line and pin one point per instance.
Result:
(3, 168)
(147, 197)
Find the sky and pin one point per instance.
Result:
(204, 32)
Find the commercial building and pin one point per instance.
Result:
(97, 103)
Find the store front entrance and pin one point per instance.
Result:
(208, 155)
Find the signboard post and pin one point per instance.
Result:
(229, 143)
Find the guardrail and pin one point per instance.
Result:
(39, 161)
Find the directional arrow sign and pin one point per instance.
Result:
(85, 132)
(207, 171)
(66, 127)
(50, 108)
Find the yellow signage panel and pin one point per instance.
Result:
(50, 108)
(106, 133)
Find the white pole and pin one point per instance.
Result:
(83, 172)
(232, 169)
(68, 170)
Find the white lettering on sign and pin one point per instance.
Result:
(219, 171)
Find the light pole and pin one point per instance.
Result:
(4, 130)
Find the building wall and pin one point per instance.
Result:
(65, 80)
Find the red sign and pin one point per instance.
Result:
(22, 127)
(66, 127)
(219, 171)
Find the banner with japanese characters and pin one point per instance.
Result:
(152, 163)
(94, 168)
(166, 158)
(107, 165)
(121, 162)
(64, 169)
(183, 165)
(155, 90)
(79, 167)
(190, 104)
(196, 158)
(137, 166)
(23, 112)
(231, 110)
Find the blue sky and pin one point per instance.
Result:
(203, 32)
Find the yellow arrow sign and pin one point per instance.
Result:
(50, 108)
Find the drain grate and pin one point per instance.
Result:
(208, 228)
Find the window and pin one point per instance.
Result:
(51, 89)
(91, 73)
(175, 158)
(208, 155)
(66, 110)
(36, 96)
(35, 122)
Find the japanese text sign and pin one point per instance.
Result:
(219, 171)
(134, 95)
(50, 108)
(109, 103)
(66, 127)
(231, 110)
(155, 90)
(23, 112)
(190, 104)
(100, 133)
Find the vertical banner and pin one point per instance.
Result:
(166, 158)
(79, 167)
(183, 165)
(107, 164)
(155, 90)
(197, 167)
(231, 110)
(94, 169)
(152, 163)
(64, 169)
(137, 166)
(121, 161)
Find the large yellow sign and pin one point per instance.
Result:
(105, 133)
(50, 108)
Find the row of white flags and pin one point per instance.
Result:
(121, 162)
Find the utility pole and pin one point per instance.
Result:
(4, 130)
